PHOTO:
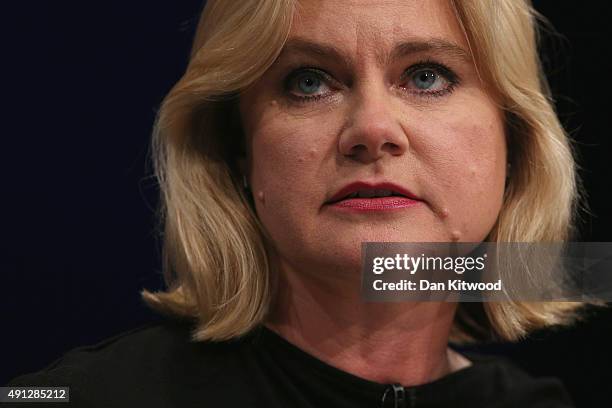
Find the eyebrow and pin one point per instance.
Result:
(401, 49)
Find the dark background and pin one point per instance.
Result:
(81, 86)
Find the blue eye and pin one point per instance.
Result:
(308, 83)
(425, 79)
(430, 79)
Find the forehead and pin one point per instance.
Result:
(374, 27)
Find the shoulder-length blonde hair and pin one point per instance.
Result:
(216, 259)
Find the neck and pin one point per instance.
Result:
(391, 342)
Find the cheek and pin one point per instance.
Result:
(288, 169)
(456, 159)
(466, 158)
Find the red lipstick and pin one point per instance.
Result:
(364, 196)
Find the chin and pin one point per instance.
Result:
(396, 233)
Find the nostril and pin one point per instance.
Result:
(371, 142)
(391, 147)
(356, 150)
(375, 151)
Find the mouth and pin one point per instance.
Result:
(381, 193)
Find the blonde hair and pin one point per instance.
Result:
(216, 263)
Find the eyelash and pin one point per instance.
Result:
(440, 69)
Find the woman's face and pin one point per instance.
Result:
(373, 92)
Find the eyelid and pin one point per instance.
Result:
(451, 79)
(328, 80)
(294, 74)
(436, 66)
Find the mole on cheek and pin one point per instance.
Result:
(455, 235)
(444, 213)
(260, 196)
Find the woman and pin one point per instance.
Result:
(288, 107)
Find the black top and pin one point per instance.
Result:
(156, 365)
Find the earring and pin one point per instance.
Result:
(245, 184)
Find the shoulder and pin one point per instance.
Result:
(142, 364)
(511, 386)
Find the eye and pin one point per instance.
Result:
(307, 83)
(429, 79)
(425, 79)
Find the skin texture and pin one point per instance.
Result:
(371, 123)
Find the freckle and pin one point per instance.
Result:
(260, 196)
(455, 235)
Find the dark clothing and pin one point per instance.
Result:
(158, 366)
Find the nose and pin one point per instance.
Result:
(373, 129)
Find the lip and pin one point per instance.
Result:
(362, 185)
(360, 205)
(374, 204)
